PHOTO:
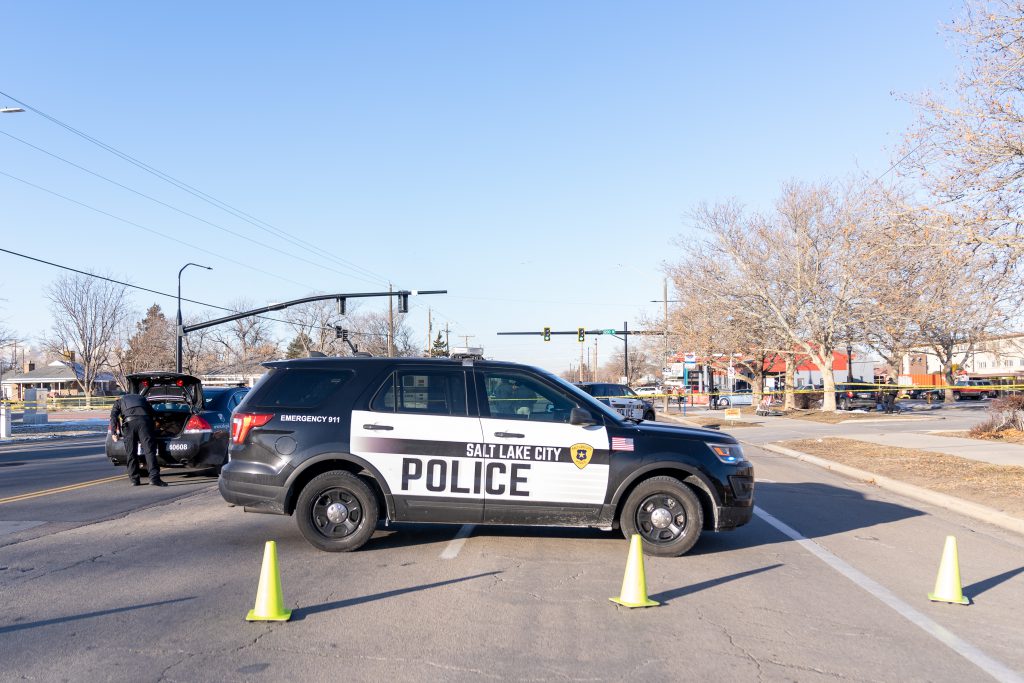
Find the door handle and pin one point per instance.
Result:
(387, 427)
(509, 435)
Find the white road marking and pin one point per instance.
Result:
(451, 551)
(992, 667)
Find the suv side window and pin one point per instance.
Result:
(515, 396)
(422, 392)
(298, 388)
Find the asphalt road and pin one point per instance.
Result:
(829, 581)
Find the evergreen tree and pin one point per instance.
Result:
(152, 345)
(440, 348)
(299, 348)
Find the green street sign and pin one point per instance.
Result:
(607, 331)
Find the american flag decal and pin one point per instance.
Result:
(621, 443)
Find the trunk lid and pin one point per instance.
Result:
(168, 386)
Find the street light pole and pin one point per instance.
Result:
(179, 334)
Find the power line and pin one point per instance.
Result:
(182, 211)
(199, 194)
(155, 291)
(155, 232)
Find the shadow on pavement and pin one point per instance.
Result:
(407, 534)
(301, 613)
(815, 510)
(87, 615)
(980, 587)
(668, 596)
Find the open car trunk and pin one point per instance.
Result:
(169, 423)
(174, 396)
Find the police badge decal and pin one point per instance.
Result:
(581, 454)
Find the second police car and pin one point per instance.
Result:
(341, 443)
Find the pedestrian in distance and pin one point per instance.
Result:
(889, 396)
(132, 419)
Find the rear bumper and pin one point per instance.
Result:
(255, 492)
(187, 450)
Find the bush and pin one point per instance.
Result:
(986, 428)
(1006, 413)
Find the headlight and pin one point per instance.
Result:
(729, 453)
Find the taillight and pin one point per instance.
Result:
(196, 425)
(849, 394)
(241, 423)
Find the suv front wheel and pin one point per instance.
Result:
(336, 511)
(666, 514)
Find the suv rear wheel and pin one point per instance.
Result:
(336, 511)
(666, 514)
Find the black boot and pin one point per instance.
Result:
(157, 482)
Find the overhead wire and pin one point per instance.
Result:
(158, 292)
(155, 232)
(183, 212)
(199, 194)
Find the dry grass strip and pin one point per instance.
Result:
(998, 486)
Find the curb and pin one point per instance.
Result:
(959, 505)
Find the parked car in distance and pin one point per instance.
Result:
(621, 398)
(649, 390)
(975, 389)
(193, 425)
(852, 395)
(740, 397)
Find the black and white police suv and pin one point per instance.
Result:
(344, 442)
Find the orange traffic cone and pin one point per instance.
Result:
(269, 602)
(634, 583)
(947, 583)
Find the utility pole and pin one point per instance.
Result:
(581, 363)
(446, 338)
(430, 334)
(391, 323)
(466, 338)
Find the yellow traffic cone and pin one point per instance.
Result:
(269, 602)
(634, 583)
(947, 583)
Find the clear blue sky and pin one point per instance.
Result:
(536, 159)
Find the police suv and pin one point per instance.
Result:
(341, 443)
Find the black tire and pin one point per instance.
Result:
(956, 395)
(722, 403)
(649, 416)
(645, 510)
(844, 404)
(358, 512)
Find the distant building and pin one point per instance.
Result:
(999, 359)
(60, 378)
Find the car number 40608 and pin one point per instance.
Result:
(177, 446)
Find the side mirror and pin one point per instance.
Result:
(579, 416)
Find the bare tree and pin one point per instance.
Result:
(968, 145)
(315, 321)
(370, 332)
(800, 270)
(245, 343)
(87, 314)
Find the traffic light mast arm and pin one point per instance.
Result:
(401, 294)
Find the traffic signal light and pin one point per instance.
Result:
(581, 335)
(547, 334)
(340, 333)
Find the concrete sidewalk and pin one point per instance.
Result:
(974, 449)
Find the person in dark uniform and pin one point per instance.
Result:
(131, 418)
(889, 397)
